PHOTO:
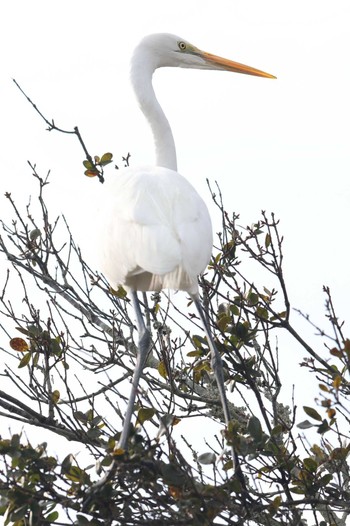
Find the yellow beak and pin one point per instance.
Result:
(229, 65)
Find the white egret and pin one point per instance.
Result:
(155, 230)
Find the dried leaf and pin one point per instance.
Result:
(19, 345)
(55, 396)
(336, 382)
(175, 492)
(331, 413)
(118, 452)
(162, 370)
(336, 352)
(323, 388)
(91, 173)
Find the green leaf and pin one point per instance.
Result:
(96, 420)
(34, 330)
(298, 491)
(52, 517)
(323, 428)
(93, 433)
(34, 234)
(23, 331)
(325, 480)
(254, 428)
(267, 240)
(88, 165)
(241, 330)
(89, 415)
(15, 441)
(275, 504)
(19, 513)
(234, 310)
(67, 463)
(162, 370)
(277, 430)
(310, 411)
(223, 321)
(199, 341)
(207, 458)
(25, 360)
(83, 521)
(310, 464)
(55, 346)
(261, 312)
(76, 474)
(36, 357)
(106, 159)
(252, 299)
(194, 354)
(279, 315)
(120, 292)
(144, 414)
(79, 415)
(305, 424)
(173, 475)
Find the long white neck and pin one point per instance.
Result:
(141, 79)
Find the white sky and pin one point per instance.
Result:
(278, 145)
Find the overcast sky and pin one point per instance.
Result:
(282, 145)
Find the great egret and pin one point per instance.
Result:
(155, 230)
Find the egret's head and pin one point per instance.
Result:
(166, 50)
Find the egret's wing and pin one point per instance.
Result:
(153, 220)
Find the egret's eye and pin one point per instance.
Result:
(182, 46)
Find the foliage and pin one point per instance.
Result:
(69, 342)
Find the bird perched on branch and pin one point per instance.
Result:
(155, 230)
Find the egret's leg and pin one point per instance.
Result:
(144, 346)
(142, 353)
(216, 364)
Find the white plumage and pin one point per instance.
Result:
(154, 230)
